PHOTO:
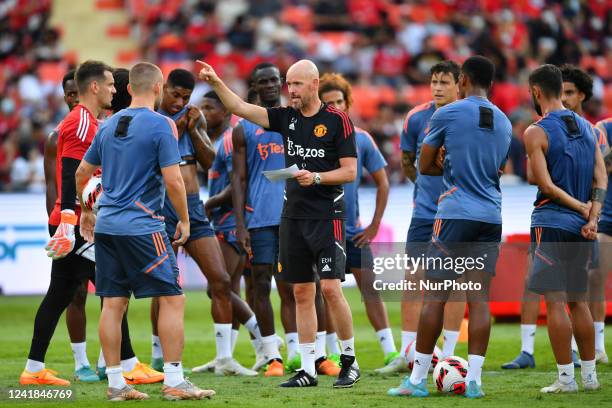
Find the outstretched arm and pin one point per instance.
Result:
(231, 101)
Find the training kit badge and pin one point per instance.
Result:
(320, 130)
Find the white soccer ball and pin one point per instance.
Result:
(449, 375)
(411, 349)
(92, 193)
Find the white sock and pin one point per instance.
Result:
(320, 345)
(173, 373)
(252, 326)
(348, 347)
(450, 341)
(385, 338)
(331, 340)
(420, 367)
(407, 338)
(307, 352)
(566, 373)
(256, 344)
(574, 345)
(223, 337)
(528, 332)
(129, 364)
(156, 347)
(115, 377)
(270, 347)
(292, 342)
(587, 369)
(34, 366)
(600, 344)
(79, 351)
(474, 371)
(234, 339)
(101, 361)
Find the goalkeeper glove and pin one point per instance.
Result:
(62, 242)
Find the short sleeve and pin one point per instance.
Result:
(93, 156)
(345, 137)
(409, 135)
(372, 159)
(167, 149)
(277, 118)
(437, 129)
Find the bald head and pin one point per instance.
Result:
(304, 69)
(144, 77)
(303, 84)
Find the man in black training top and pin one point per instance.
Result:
(320, 140)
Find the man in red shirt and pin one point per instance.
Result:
(95, 85)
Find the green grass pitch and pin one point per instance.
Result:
(503, 388)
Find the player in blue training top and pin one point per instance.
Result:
(577, 89)
(427, 190)
(335, 91)
(139, 153)
(568, 168)
(261, 202)
(196, 147)
(597, 286)
(476, 137)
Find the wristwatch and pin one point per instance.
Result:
(316, 179)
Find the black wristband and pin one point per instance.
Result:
(599, 195)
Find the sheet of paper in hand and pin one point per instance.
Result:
(281, 174)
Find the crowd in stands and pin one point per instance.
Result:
(384, 47)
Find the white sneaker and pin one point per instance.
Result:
(590, 383)
(260, 359)
(397, 365)
(601, 357)
(558, 387)
(229, 366)
(205, 368)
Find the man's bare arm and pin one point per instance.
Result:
(427, 160)
(50, 161)
(536, 144)
(231, 101)
(408, 160)
(239, 175)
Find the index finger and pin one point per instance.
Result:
(205, 65)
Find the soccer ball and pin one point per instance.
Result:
(449, 375)
(92, 193)
(411, 349)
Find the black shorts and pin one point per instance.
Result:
(560, 261)
(73, 266)
(311, 247)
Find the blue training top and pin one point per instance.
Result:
(570, 160)
(219, 174)
(132, 161)
(184, 142)
(427, 189)
(264, 151)
(370, 157)
(476, 135)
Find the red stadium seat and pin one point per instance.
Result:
(127, 57)
(608, 99)
(110, 4)
(166, 67)
(118, 30)
(299, 17)
(51, 71)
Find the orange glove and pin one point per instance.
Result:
(62, 242)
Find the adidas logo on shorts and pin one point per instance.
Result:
(326, 268)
